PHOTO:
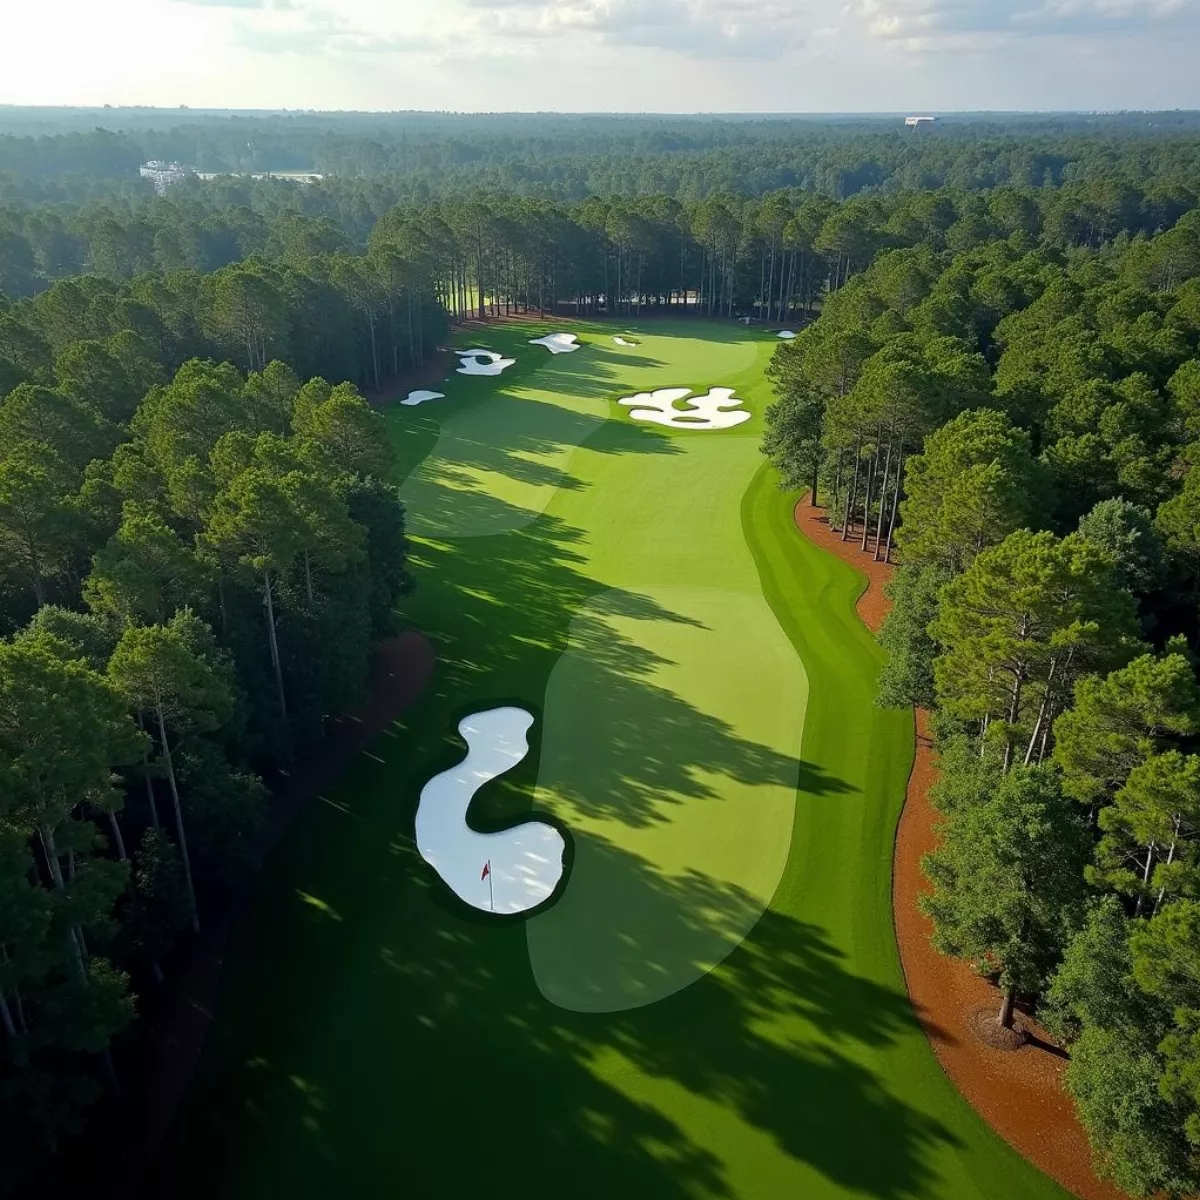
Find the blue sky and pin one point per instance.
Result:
(600, 55)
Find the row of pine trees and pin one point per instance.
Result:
(1015, 424)
(199, 549)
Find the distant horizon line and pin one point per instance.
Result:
(699, 113)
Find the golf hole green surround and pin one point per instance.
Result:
(374, 1035)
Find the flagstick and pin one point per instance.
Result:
(491, 894)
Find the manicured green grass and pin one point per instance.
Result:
(671, 752)
(645, 593)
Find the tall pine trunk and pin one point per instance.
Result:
(74, 938)
(887, 554)
(883, 491)
(274, 641)
(6, 1018)
(146, 776)
(791, 286)
(1014, 711)
(14, 1008)
(179, 831)
(852, 493)
(872, 468)
(118, 839)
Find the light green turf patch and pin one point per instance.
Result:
(719, 689)
(503, 445)
(497, 465)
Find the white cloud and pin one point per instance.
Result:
(297, 27)
(692, 28)
(984, 24)
(628, 55)
(234, 3)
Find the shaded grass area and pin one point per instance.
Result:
(504, 443)
(610, 770)
(373, 1036)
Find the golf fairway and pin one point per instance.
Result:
(713, 1007)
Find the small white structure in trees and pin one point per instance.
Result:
(164, 174)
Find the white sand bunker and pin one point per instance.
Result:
(557, 343)
(421, 395)
(624, 341)
(482, 362)
(507, 872)
(716, 409)
(786, 334)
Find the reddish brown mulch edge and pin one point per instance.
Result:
(174, 1036)
(1018, 1093)
(872, 605)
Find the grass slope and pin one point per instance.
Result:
(375, 1037)
(672, 732)
(677, 779)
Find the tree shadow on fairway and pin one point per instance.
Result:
(374, 1037)
(405, 1048)
(503, 612)
(625, 934)
(700, 328)
(510, 444)
(789, 1038)
(628, 749)
(595, 371)
(600, 372)
(640, 362)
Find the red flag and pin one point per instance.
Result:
(487, 870)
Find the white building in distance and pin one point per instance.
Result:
(919, 122)
(164, 173)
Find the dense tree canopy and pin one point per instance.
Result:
(1035, 374)
(995, 381)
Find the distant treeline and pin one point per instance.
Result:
(572, 157)
(771, 255)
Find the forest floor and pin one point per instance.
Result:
(176, 1022)
(714, 1009)
(394, 388)
(1019, 1093)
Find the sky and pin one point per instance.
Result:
(604, 55)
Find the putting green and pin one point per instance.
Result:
(644, 592)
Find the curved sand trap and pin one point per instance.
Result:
(557, 343)
(624, 341)
(421, 395)
(714, 410)
(482, 362)
(786, 334)
(511, 871)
